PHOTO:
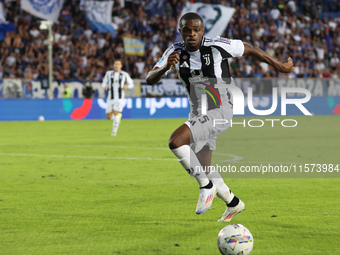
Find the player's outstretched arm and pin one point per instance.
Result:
(156, 73)
(263, 56)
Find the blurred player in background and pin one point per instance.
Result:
(201, 64)
(116, 81)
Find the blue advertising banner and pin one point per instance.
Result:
(76, 109)
(145, 108)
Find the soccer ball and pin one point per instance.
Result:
(41, 118)
(235, 239)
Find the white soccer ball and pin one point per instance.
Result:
(41, 118)
(235, 239)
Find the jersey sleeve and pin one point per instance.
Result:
(105, 81)
(165, 56)
(129, 81)
(232, 48)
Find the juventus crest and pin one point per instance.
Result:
(206, 58)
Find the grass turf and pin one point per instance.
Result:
(68, 187)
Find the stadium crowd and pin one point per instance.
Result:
(307, 31)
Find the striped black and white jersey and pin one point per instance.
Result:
(202, 70)
(115, 82)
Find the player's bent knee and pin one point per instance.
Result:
(175, 142)
(172, 144)
(181, 136)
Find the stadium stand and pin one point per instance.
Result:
(307, 31)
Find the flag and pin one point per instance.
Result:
(44, 9)
(99, 15)
(133, 46)
(154, 7)
(2, 14)
(215, 16)
(5, 26)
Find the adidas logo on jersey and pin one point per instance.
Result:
(184, 64)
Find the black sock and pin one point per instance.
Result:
(209, 186)
(234, 202)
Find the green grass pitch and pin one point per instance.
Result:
(68, 187)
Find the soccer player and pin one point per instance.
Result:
(116, 81)
(201, 64)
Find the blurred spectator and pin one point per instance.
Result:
(67, 91)
(326, 73)
(275, 13)
(320, 66)
(87, 90)
(334, 62)
(34, 32)
(168, 11)
(1, 72)
(140, 65)
(10, 60)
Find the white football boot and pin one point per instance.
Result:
(230, 212)
(205, 199)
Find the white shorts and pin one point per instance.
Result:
(205, 128)
(115, 105)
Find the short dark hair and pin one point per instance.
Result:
(190, 16)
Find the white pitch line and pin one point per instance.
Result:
(131, 158)
(85, 157)
(234, 158)
(98, 146)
